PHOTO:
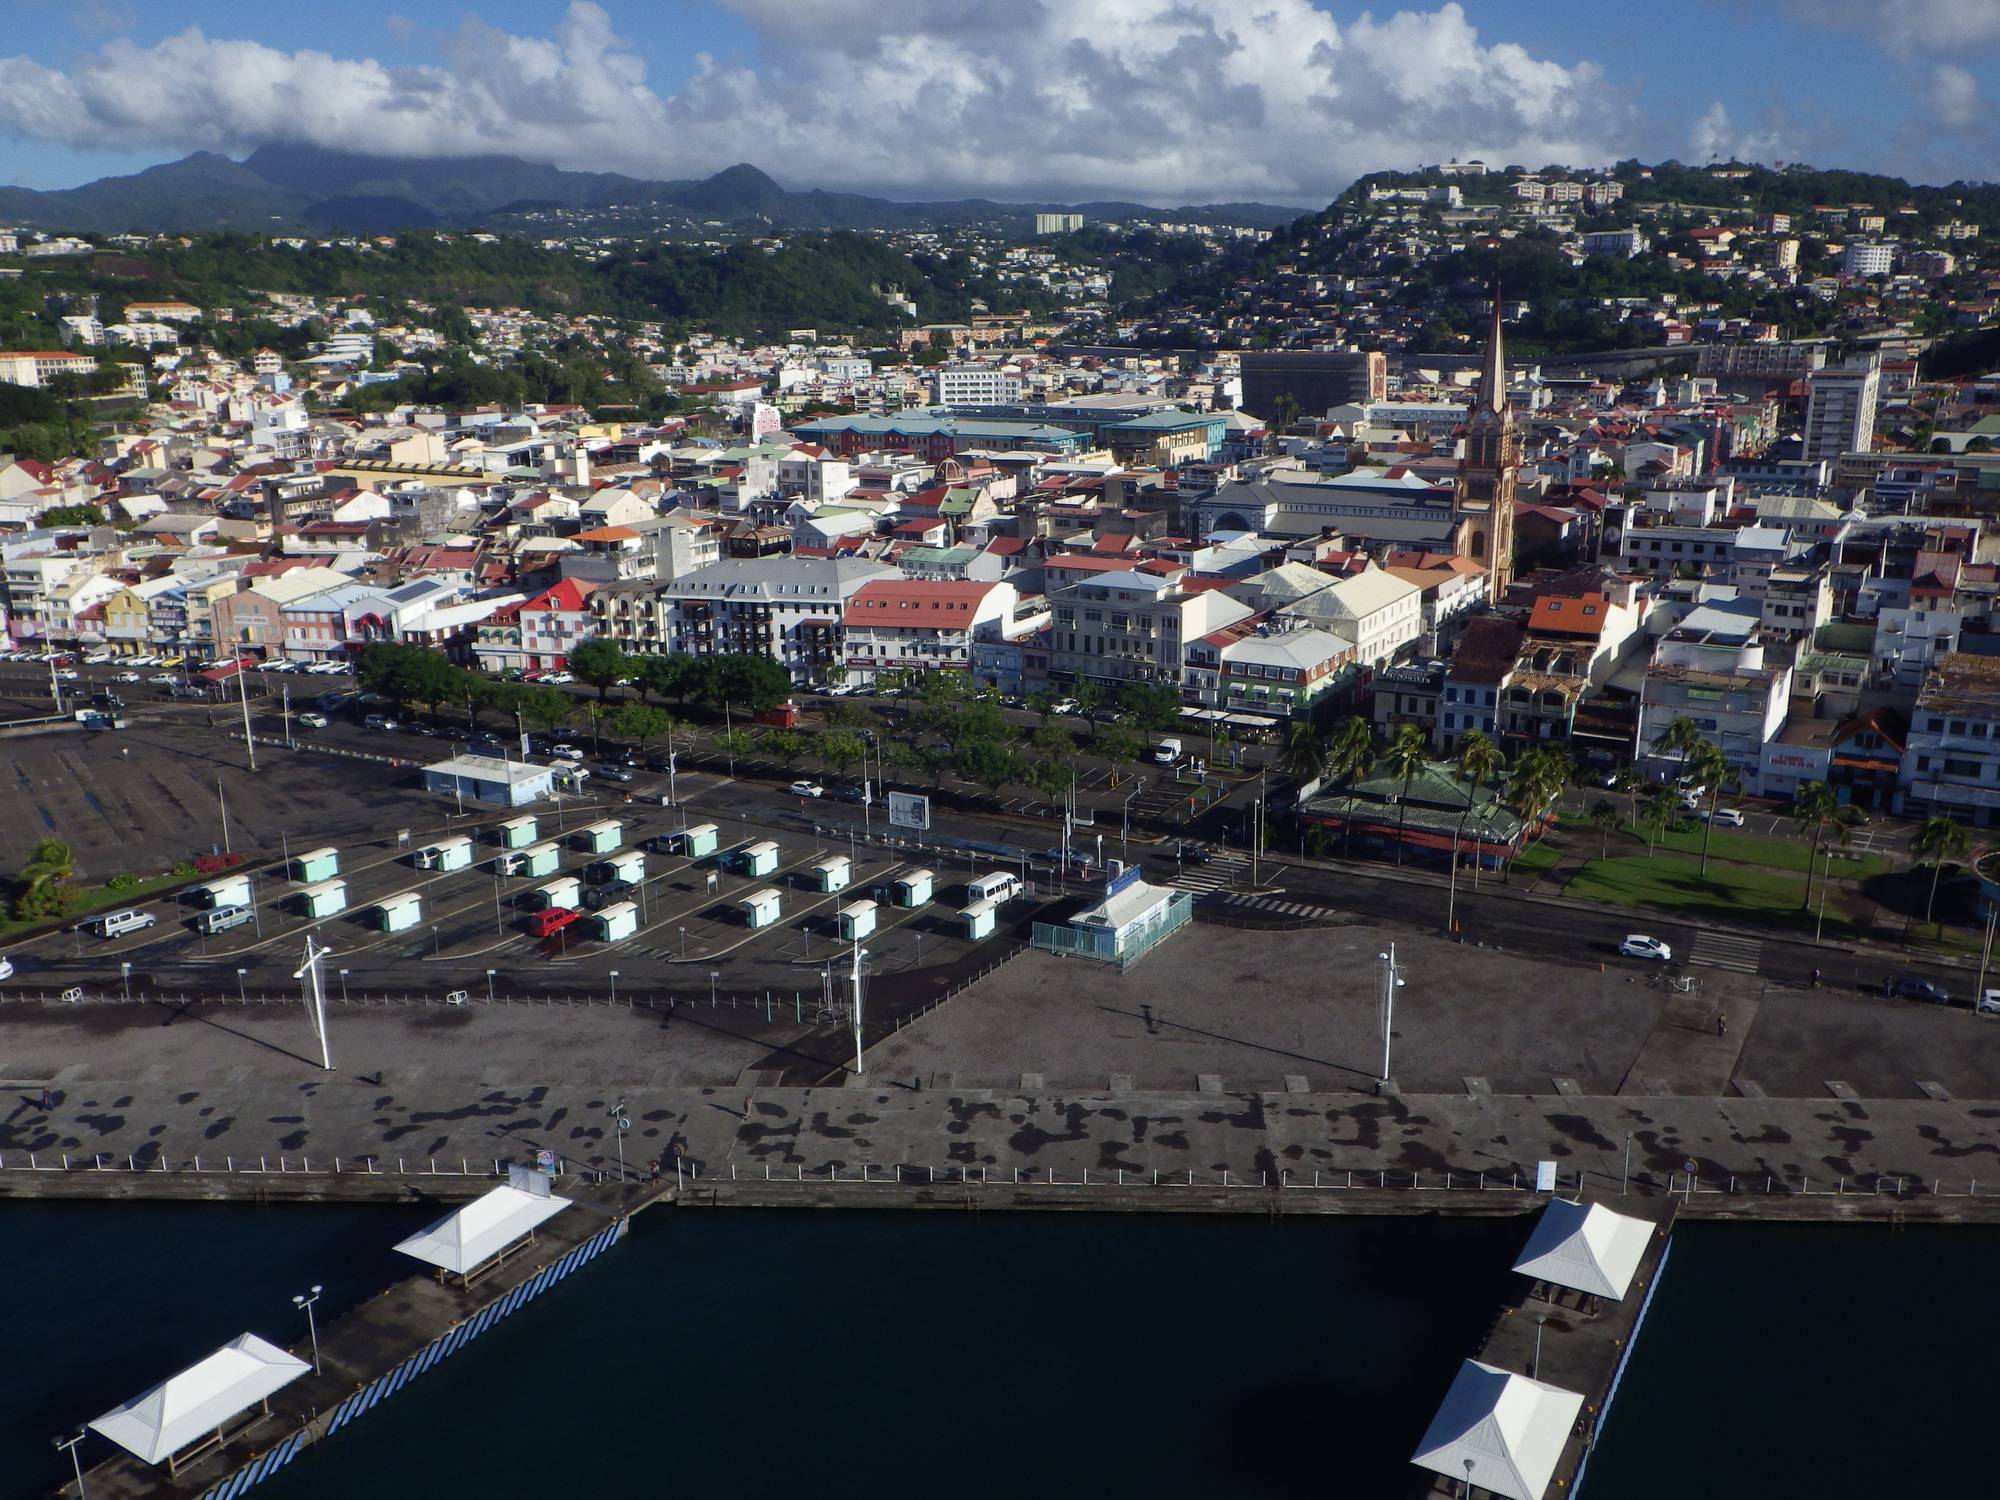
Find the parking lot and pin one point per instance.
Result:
(473, 925)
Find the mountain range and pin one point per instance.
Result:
(279, 188)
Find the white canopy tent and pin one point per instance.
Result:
(463, 1242)
(1510, 1428)
(1588, 1249)
(193, 1406)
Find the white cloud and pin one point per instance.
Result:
(1910, 25)
(1954, 97)
(1167, 100)
(1717, 138)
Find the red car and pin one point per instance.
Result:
(551, 920)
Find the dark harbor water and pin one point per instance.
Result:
(994, 1355)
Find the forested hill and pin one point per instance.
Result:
(827, 281)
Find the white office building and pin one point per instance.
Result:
(1840, 410)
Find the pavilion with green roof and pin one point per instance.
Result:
(1440, 811)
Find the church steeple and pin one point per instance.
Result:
(1493, 372)
(1483, 497)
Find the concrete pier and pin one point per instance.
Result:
(374, 1349)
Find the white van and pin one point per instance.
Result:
(999, 886)
(222, 918)
(1167, 752)
(118, 923)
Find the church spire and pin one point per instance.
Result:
(1493, 373)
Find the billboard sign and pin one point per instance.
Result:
(909, 810)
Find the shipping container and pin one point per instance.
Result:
(315, 865)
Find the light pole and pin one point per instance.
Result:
(1625, 1177)
(1125, 821)
(1391, 982)
(684, 944)
(489, 985)
(1826, 874)
(673, 784)
(125, 978)
(312, 1323)
(713, 975)
(343, 986)
(623, 1125)
(1541, 1322)
(614, 986)
(75, 1462)
(240, 996)
(1468, 1479)
(309, 971)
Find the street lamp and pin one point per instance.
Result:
(343, 986)
(614, 986)
(713, 975)
(1535, 1370)
(125, 978)
(1468, 1479)
(312, 1323)
(240, 996)
(684, 945)
(489, 984)
(623, 1125)
(75, 1462)
(1392, 981)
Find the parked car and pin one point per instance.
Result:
(1916, 987)
(1064, 706)
(1725, 817)
(126, 677)
(6, 968)
(311, 720)
(610, 770)
(597, 897)
(67, 674)
(163, 677)
(1690, 801)
(845, 792)
(491, 748)
(1638, 945)
(808, 789)
(560, 679)
(97, 658)
(566, 752)
(379, 721)
(551, 920)
(659, 762)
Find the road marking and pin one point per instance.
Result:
(1727, 950)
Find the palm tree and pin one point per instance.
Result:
(1349, 755)
(1681, 739)
(1940, 839)
(1631, 783)
(1710, 772)
(1819, 813)
(1479, 762)
(50, 863)
(1657, 812)
(1408, 751)
(1604, 817)
(1304, 757)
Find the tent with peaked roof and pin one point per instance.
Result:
(463, 1241)
(187, 1408)
(1589, 1249)
(1510, 1428)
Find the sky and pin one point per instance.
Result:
(1163, 101)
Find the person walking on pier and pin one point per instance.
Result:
(1721, 1024)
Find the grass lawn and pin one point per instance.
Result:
(97, 898)
(1538, 858)
(1669, 883)
(1757, 849)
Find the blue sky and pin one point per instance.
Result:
(1163, 100)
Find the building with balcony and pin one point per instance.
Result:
(1132, 626)
(912, 625)
(1951, 762)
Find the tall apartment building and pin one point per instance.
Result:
(1058, 223)
(1316, 380)
(1868, 258)
(1132, 627)
(974, 385)
(1773, 361)
(1840, 410)
(1951, 763)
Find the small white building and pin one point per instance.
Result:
(481, 778)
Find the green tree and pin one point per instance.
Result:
(1118, 745)
(1303, 757)
(1479, 761)
(42, 890)
(735, 742)
(787, 746)
(640, 722)
(974, 721)
(1604, 818)
(1681, 739)
(71, 515)
(1050, 779)
(839, 751)
(1939, 840)
(601, 663)
(1710, 771)
(1351, 754)
(990, 765)
(409, 674)
(665, 677)
(1820, 815)
(1406, 755)
(1053, 741)
(1656, 811)
(1154, 706)
(546, 708)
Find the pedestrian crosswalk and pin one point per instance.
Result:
(1727, 950)
(1222, 871)
(1278, 906)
